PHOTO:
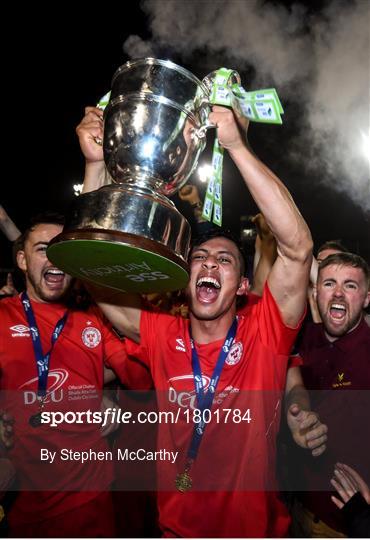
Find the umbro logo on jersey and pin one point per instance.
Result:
(180, 345)
(20, 330)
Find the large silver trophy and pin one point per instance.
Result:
(128, 235)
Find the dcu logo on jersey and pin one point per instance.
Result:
(91, 337)
(235, 354)
(182, 392)
(56, 379)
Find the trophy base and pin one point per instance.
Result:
(119, 260)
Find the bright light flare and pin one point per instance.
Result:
(366, 144)
(77, 188)
(149, 147)
(139, 117)
(204, 173)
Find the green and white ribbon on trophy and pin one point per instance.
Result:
(213, 199)
(258, 106)
(103, 102)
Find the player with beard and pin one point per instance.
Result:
(41, 326)
(328, 248)
(223, 481)
(336, 356)
(342, 293)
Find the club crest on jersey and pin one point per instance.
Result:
(235, 354)
(91, 337)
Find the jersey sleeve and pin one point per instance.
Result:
(139, 351)
(154, 328)
(113, 345)
(273, 331)
(295, 360)
(249, 300)
(114, 349)
(132, 372)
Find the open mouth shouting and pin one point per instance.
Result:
(337, 312)
(54, 277)
(207, 289)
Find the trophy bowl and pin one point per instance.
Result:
(129, 235)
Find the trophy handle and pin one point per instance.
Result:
(209, 79)
(201, 132)
(208, 82)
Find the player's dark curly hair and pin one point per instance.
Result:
(217, 232)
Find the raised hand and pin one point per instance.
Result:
(347, 482)
(90, 133)
(307, 430)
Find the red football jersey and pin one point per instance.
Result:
(75, 382)
(233, 492)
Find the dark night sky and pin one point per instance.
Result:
(54, 68)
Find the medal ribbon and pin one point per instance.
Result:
(42, 361)
(205, 399)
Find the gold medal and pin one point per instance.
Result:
(35, 420)
(183, 482)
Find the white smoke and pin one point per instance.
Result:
(339, 103)
(138, 48)
(322, 60)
